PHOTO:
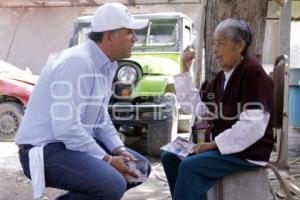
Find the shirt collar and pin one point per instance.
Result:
(228, 74)
(100, 55)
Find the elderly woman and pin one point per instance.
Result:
(240, 100)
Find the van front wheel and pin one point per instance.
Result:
(162, 132)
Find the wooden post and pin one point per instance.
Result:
(200, 70)
(285, 32)
(285, 29)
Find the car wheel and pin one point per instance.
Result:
(10, 118)
(162, 132)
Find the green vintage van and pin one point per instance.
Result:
(143, 100)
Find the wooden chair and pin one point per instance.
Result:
(280, 114)
(280, 119)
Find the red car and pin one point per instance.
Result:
(15, 88)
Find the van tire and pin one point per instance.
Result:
(162, 132)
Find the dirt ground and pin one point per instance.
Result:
(15, 186)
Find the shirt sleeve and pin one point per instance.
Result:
(107, 133)
(250, 127)
(188, 95)
(67, 94)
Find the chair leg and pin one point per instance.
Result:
(281, 180)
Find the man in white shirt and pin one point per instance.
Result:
(76, 145)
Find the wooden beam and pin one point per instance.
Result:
(70, 3)
(78, 2)
(131, 2)
(92, 3)
(18, 4)
(57, 3)
(37, 2)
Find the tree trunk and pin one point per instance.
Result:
(254, 12)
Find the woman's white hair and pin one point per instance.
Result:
(236, 30)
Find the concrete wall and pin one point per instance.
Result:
(38, 33)
(28, 36)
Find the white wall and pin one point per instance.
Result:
(295, 45)
(271, 44)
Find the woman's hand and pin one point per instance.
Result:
(203, 147)
(188, 57)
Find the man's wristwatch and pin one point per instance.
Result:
(119, 150)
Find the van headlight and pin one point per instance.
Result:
(128, 73)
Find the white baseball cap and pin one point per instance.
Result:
(112, 16)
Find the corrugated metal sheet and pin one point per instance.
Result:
(49, 3)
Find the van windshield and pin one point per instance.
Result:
(158, 36)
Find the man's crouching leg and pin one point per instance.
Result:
(84, 176)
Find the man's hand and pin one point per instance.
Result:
(122, 151)
(118, 162)
(188, 57)
(203, 147)
(126, 155)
